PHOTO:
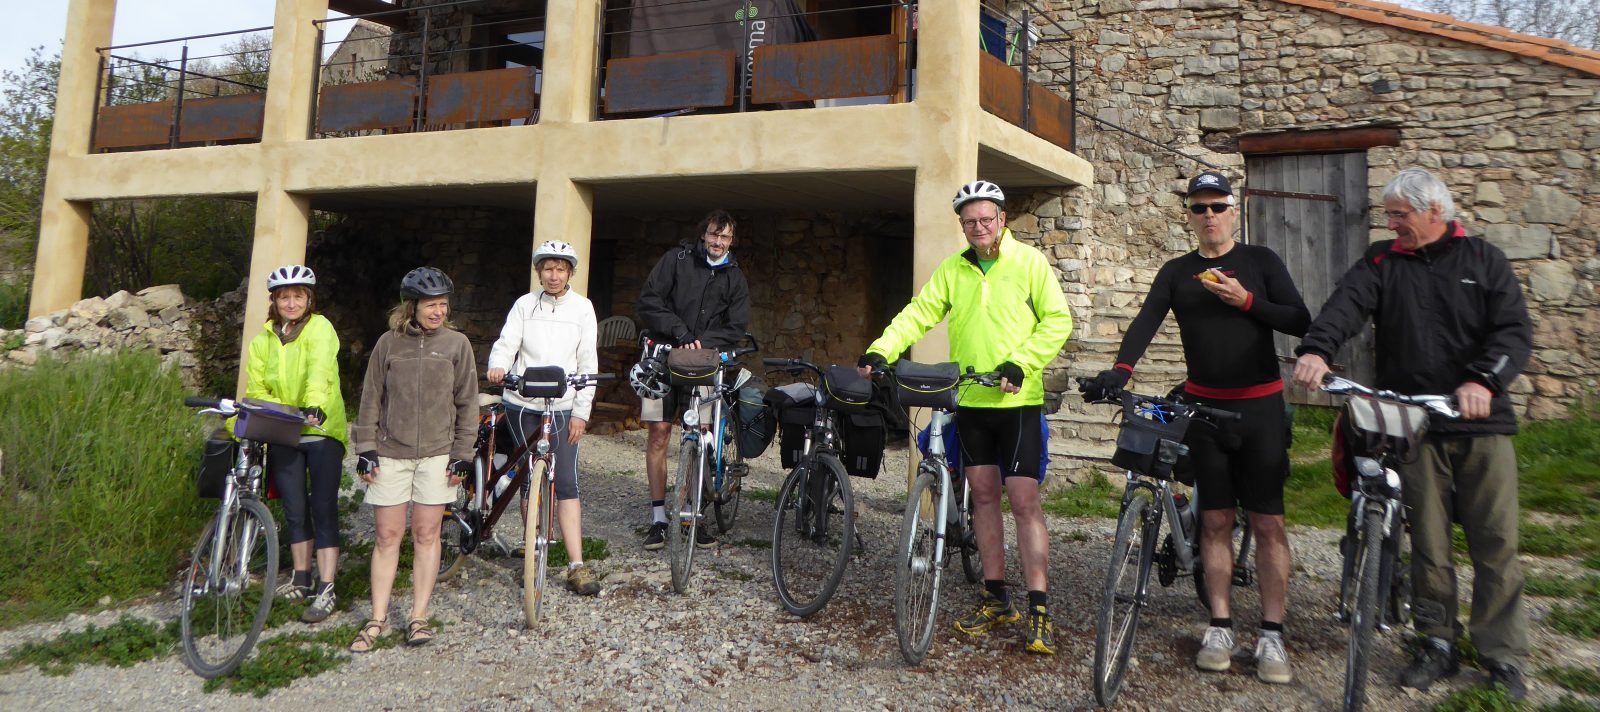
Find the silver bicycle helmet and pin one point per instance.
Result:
(645, 382)
(425, 282)
(291, 276)
(558, 249)
(978, 190)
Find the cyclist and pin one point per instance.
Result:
(554, 326)
(695, 297)
(1007, 313)
(1449, 316)
(294, 361)
(414, 436)
(1228, 298)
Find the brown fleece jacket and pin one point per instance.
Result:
(420, 396)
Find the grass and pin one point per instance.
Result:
(122, 644)
(283, 659)
(1576, 679)
(1562, 586)
(13, 305)
(1580, 619)
(1096, 496)
(1477, 699)
(1568, 703)
(100, 459)
(13, 342)
(594, 549)
(761, 494)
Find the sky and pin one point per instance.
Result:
(32, 23)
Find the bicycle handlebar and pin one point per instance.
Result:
(1194, 409)
(1443, 405)
(578, 381)
(202, 402)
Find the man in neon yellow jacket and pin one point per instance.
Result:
(1007, 314)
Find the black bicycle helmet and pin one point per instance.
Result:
(425, 282)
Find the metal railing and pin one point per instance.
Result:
(1045, 54)
(164, 102)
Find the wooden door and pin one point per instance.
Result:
(1312, 210)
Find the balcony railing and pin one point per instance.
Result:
(190, 100)
(1023, 75)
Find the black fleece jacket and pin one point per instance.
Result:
(685, 299)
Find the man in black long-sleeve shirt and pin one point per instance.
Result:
(1229, 298)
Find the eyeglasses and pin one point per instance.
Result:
(970, 225)
(1200, 208)
(1398, 214)
(719, 236)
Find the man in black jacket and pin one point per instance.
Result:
(1450, 318)
(695, 297)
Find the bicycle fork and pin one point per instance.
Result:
(920, 565)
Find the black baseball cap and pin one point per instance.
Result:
(1215, 182)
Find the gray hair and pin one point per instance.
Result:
(1421, 190)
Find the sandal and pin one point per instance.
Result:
(418, 632)
(367, 639)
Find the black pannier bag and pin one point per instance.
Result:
(847, 391)
(692, 367)
(216, 463)
(927, 385)
(794, 407)
(863, 435)
(1148, 446)
(756, 422)
(543, 382)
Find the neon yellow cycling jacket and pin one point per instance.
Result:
(301, 373)
(1016, 312)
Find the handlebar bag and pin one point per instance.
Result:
(692, 367)
(268, 422)
(928, 385)
(543, 382)
(1147, 445)
(846, 390)
(1384, 427)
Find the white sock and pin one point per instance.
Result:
(574, 564)
(659, 514)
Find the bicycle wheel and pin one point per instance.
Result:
(453, 537)
(725, 500)
(918, 569)
(223, 616)
(683, 520)
(536, 539)
(1120, 603)
(1241, 560)
(1366, 613)
(812, 534)
(971, 559)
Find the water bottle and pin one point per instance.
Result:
(1185, 517)
(501, 486)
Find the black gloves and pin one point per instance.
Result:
(1011, 372)
(366, 461)
(315, 413)
(872, 361)
(1105, 385)
(459, 468)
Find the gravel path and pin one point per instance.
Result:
(728, 645)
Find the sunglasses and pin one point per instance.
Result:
(1200, 208)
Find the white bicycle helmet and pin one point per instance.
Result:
(291, 275)
(556, 248)
(646, 383)
(978, 190)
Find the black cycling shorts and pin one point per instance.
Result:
(1243, 463)
(1009, 438)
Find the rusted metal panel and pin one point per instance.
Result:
(678, 80)
(134, 125)
(1358, 139)
(387, 104)
(999, 88)
(827, 69)
(476, 97)
(222, 118)
(1052, 115)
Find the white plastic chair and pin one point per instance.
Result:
(615, 329)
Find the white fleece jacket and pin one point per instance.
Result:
(542, 330)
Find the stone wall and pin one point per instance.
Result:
(157, 318)
(1514, 137)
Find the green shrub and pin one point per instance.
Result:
(100, 456)
(1478, 699)
(1575, 679)
(1096, 496)
(121, 644)
(13, 305)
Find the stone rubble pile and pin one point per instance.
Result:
(155, 318)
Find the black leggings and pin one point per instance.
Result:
(322, 459)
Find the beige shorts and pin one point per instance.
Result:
(401, 481)
(655, 410)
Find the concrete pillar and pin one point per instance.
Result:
(568, 94)
(63, 248)
(565, 212)
(291, 78)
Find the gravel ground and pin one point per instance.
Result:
(728, 644)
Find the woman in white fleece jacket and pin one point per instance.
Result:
(553, 327)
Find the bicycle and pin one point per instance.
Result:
(1388, 424)
(814, 526)
(928, 522)
(1148, 447)
(469, 521)
(701, 373)
(231, 577)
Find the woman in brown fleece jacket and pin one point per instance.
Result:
(414, 436)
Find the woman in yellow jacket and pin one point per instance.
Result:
(294, 361)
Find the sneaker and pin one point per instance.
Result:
(989, 613)
(1041, 632)
(581, 580)
(1216, 650)
(321, 606)
(1272, 661)
(1508, 676)
(1432, 663)
(656, 538)
(703, 538)
(289, 591)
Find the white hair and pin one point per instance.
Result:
(1421, 190)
